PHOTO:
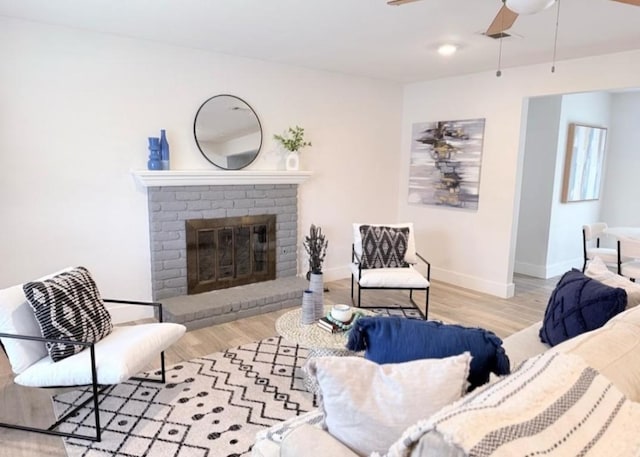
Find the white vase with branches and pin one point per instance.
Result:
(315, 244)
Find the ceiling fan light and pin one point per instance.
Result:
(447, 50)
(528, 6)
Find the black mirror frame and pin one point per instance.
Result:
(195, 120)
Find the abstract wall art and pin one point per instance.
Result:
(445, 163)
(583, 163)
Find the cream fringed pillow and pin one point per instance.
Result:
(367, 406)
(598, 270)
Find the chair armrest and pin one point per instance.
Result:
(355, 258)
(156, 305)
(428, 265)
(45, 340)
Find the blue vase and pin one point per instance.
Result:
(154, 162)
(164, 150)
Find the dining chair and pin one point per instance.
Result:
(629, 248)
(591, 234)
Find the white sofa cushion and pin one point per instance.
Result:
(125, 352)
(391, 277)
(613, 350)
(17, 318)
(553, 405)
(367, 406)
(524, 344)
(410, 255)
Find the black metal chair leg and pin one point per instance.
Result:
(426, 304)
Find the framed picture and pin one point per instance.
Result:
(583, 163)
(445, 163)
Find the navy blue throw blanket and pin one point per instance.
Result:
(396, 340)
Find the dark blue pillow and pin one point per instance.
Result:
(396, 340)
(579, 304)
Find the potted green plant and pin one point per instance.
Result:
(293, 141)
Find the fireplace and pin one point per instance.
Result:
(171, 206)
(230, 251)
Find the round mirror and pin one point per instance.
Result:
(228, 132)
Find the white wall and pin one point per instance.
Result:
(477, 249)
(567, 219)
(76, 109)
(621, 205)
(537, 190)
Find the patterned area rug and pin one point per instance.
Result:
(210, 406)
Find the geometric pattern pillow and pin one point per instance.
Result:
(384, 247)
(577, 305)
(68, 306)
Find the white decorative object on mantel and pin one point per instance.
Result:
(157, 178)
(292, 161)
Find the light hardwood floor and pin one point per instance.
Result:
(447, 303)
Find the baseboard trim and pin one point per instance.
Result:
(547, 271)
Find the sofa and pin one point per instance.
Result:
(580, 396)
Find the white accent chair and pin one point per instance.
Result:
(119, 356)
(405, 278)
(591, 234)
(629, 258)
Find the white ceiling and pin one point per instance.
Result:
(357, 37)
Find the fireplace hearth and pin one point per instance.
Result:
(177, 197)
(230, 251)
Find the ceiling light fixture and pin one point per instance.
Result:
(528, 6)
(447, 50)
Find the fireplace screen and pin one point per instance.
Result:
(229, 252)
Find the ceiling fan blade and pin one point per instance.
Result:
(503, 21)
(399, 2)
(629, 2)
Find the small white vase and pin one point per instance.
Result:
(292, 161)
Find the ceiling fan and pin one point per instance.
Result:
(511, 9)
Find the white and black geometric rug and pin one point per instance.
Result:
(211, 406)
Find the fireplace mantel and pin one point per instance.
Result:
(166, 178)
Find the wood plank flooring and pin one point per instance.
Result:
(448, 303)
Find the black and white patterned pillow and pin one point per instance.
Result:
(68, 306)
(384, 247)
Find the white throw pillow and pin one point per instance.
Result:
(613, 350)
(410, 255)
(367, 406)
(598, 270)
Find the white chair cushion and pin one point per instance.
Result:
(409, 257)
(609, 256)
(391, 277)
(17, 318)
(125, 352)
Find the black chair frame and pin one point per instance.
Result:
(620, 263)
(356, 259)
(96, 389)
